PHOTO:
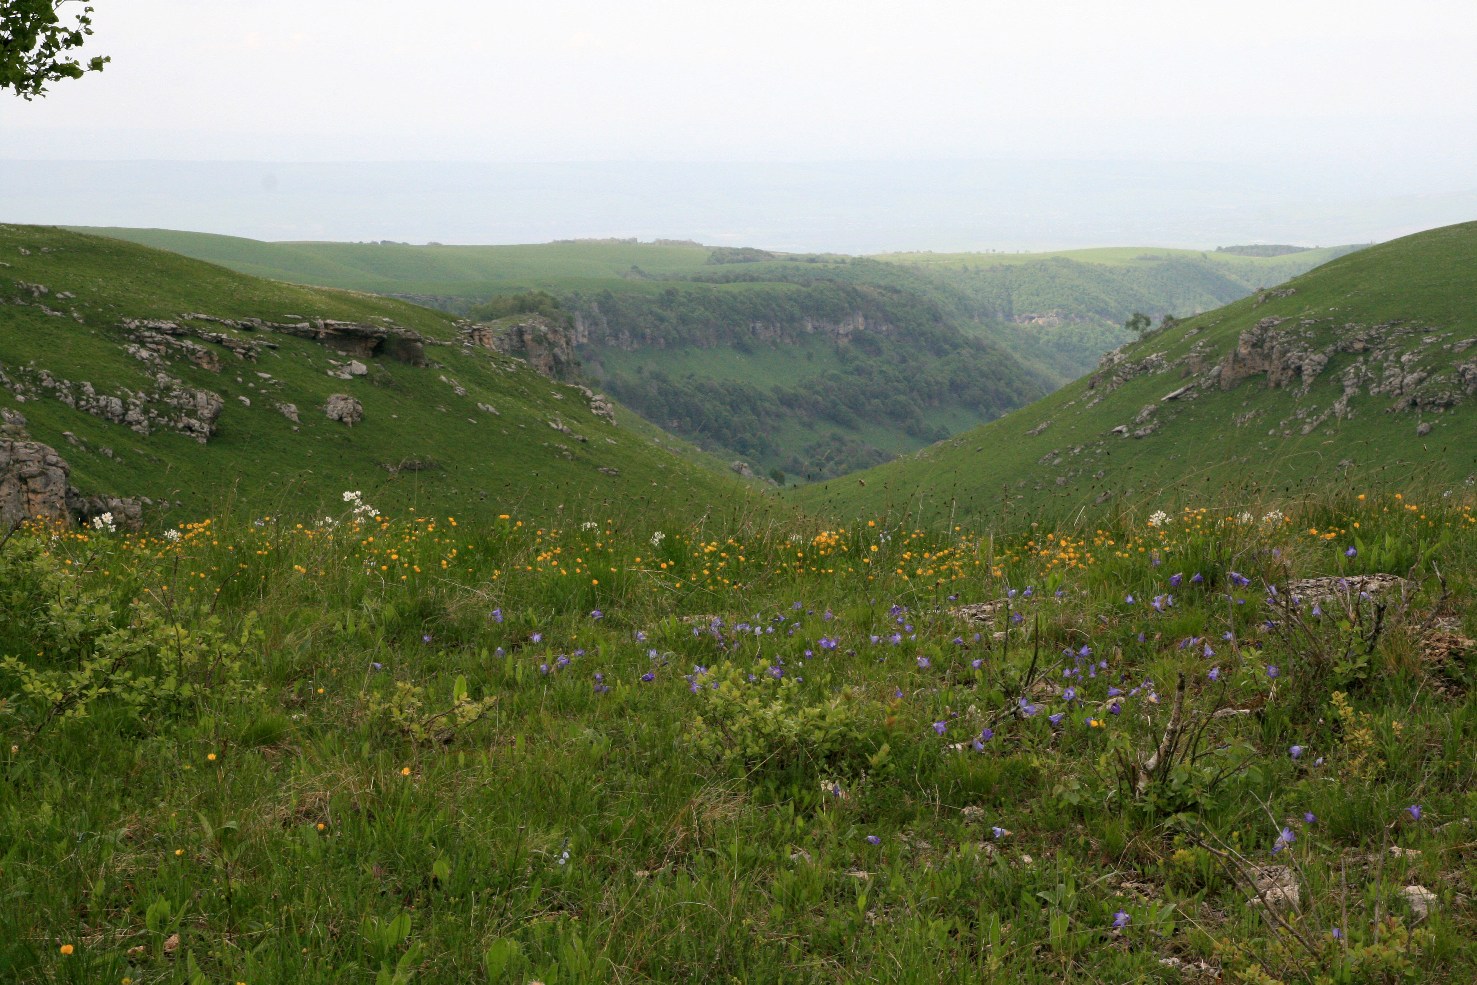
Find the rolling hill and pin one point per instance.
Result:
(810, 365)
(1364, 369)
(195, 388)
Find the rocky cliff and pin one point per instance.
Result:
(546, 346)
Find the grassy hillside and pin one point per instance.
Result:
(1360, 370)
(468, 272)
(755, 354)
(470, 431)
(1068, 307)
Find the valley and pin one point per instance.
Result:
(802, 366)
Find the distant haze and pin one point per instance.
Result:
(928, 125)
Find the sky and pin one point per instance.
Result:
(1359, 102)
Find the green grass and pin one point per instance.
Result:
(416, 750)
(1248, 440)
(260, 462)
(760, 326)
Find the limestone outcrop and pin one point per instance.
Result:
(34, 484)
(546, 346)
(170, 406)
(1286, 358)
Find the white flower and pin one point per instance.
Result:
(1243, 517)
(352, 496)
(171, 535)
(589, 525)
(1273, 517)
(657, 538)
(1158, 519)
(104, 522)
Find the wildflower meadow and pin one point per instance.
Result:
(1207, 744)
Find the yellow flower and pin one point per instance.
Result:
(405, 771)
(179, 851)
(67, 949)
(211, 757)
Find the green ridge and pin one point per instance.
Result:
(1414, 295)
(470, 461)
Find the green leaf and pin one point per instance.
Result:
(501, 958)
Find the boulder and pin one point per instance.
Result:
(1421, 900)
(33, 482)
(601, 407)
(126, 514)
(1276, 888)
(342, 407)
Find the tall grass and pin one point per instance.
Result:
(415, 749)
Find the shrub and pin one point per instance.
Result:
(767, 725)
(77, 650)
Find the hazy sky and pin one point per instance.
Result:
(1371, 93)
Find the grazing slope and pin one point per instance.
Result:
(1365, 367)
(162, 377)
(813, 365)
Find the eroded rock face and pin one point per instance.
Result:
(344, 408)
(158, 339)
(1282, 356)
(356, 340)
(33, 482)
(547, 347)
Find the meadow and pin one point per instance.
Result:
(1201, 744)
